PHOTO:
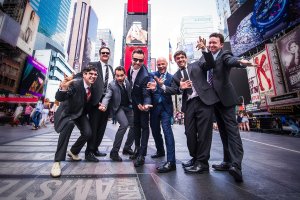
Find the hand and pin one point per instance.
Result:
(140, 107)
(185, 84)
(64, 85)
(102, 107)
(160, 80)
(201, 43)
(147, 107)
(247, 63)
(151, 85)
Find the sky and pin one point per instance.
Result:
(165, 22)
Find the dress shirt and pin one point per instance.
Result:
(110, 76)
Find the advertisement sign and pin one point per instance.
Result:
(128, 53)
(33, 78)
(7, 24)
(137, 6)
(29, 29)
(289, 53)
(258, 20)
(264, 76)
(153, 65)
(136, 29)
(273, 58)
(253, 84)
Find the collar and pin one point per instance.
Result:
(136, 70)
(216, 54)
(85, 85)
(102, 63)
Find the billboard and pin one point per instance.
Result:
(153, 64)
(7, 24)
(29, 27)
(253, 84)
(33, 78)
(256, 21)
(137, 6)
(289, 53)
(136, 29)
(128, 52)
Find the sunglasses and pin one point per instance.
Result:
(136, 59)
(103, 53)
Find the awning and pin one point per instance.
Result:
(19, 99)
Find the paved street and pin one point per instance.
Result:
(270, 169)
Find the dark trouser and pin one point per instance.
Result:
(141, 130)
(158, 116)
(124, 117)
(198, 130)
(84, 126)
(230, 135)
(36, 118)
(26, 119)
(98, 121)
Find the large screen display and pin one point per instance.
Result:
(137, 6)
(136, 29)
(259, 20)
(33, 78)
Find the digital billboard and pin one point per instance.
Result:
(29, 27)
(137, 6)
(33, 78)
(136, 29)
(258, 20)
(289, 52)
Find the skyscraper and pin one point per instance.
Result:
(224, 12)
(105, 38)
(235, 4)
(78, 33)
(53, 21)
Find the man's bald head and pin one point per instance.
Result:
(162, 64)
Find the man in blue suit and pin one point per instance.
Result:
(162, 114)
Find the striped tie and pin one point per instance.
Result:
(88, 94)
(106, 79)
(210, 77)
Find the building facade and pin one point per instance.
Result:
(105, 38)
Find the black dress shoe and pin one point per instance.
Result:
(158, 155)
(115, 157)
(223, 166)
(196, 169)
(139, 161)
(188, 163)
(167, 167)
(135, 154)
(99, 154)
(127, 152)
(236, 173)
(90, 157)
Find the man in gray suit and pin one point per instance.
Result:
(119, 93)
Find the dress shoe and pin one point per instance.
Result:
(135, 154)
(167, 167)
(139, 161)
(74, 157)
(115, 157)
(196, 169)
(56, 170)
(127, 152)
(99, 154)
(188, 163)
(158, 155)
(90, 157)
(223, 166)
(236, 173)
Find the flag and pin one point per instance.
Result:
(103, 44)
(170, 53)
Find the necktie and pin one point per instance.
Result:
(106, 79)
(186, 77)
(210, 77)
(88, 94)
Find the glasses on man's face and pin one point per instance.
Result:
(93, 74)
(136, 59)
(105, 53)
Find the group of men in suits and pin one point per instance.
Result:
(206, 90)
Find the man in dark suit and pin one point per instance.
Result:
(98, 119)
(218, 73)
(119, 94)
(198, 99)
(161, 114)
(75, 96)
(138, 77)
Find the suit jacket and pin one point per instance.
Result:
(97, 88)
(73, 104)
(197, 72)
(113, 94)
(221, 81)
(139, 93)
(166, 99)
